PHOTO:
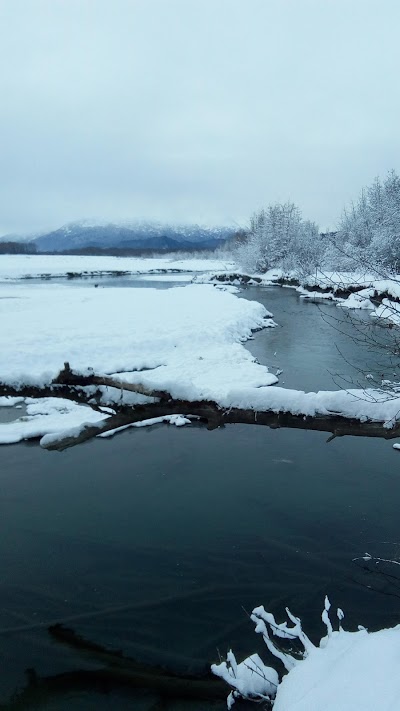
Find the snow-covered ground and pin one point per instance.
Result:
(370, 289)
(187, 340)
(21, 266)
(348, 671)
(354, 280)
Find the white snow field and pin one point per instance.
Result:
(348, 671)
(22, 266)
(187, 339)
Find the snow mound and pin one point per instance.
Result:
(250, 679)
(348, 671)
(389, 311)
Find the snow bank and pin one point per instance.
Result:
(20, 266)
(167, 277)
(317, 295)
(350, 671)
(369, 404)
(47, 416)
(389, 311)
(187, 340)
(359, 300)
(239, 277)
(367, 286)
(339, 280)
(10, 401)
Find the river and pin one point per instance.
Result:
(159, 540)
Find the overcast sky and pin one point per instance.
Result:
(193, 110)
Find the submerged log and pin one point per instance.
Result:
(71, 385)
(163, 681)
(41, 690)
(116, 672)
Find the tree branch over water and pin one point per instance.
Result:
(88, 389)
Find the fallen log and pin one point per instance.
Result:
(68, 377)
(215, 417)
(79, 388)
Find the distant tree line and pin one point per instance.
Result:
(368, 235)
(30, 248)
(17, 248)
(132, 251)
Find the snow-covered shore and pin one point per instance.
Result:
(347, 671)
(24, 266)
(185, 337)
(323, 285)
(186, 340)
(350, 290)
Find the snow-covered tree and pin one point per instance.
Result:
(369, 231)
(279, 237)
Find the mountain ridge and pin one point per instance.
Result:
(141, 234)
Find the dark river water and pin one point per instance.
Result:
(159, 540)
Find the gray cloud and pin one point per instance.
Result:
(193, 109)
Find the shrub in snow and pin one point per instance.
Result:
(350, 671)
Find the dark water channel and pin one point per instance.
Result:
(157, 541)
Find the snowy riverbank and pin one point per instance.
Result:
(350, 671)
(50, 266)
(349, 290)
(187, 340)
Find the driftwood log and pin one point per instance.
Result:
(73, 386)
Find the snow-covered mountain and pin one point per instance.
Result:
(134, 235)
